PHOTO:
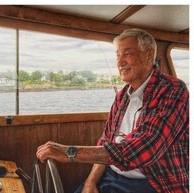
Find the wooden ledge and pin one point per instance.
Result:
(51, 118)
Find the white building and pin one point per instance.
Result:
(4, 81)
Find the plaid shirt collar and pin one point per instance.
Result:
(139, 91)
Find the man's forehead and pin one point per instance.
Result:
(128, 39)
(127, 43)
(126, 49)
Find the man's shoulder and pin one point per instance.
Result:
(169, 81)
(162, 86)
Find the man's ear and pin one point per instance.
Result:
(150, 54)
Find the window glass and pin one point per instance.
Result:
(7, 71)
(180, 58)
(61, 74)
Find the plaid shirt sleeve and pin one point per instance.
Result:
(163, 122)
(108, 133)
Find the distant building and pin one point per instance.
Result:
(5, 81)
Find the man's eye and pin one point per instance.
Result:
(128, 53)
(125, 54)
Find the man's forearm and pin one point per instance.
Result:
(84, 154)
(95, 174)
(92, 154)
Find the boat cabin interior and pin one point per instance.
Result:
(21, 134)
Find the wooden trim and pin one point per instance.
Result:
(126, 13)
(185, 31)
(17, 100)
(31, 26)
(169, 58)
(42, 20)
(53, 118)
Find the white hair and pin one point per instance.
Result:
(145, 39)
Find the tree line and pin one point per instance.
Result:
(79, 79)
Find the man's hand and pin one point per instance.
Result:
(51, 150)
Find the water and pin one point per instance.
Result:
(66, 101)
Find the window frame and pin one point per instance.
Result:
(17, 90)
(170, 65)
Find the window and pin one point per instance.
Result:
(61, 74)
(7, 71)
(180, 58)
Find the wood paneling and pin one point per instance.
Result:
(161, 54)
(126, 13)
(19, 144)
(42, 20)
(31, 26)
(185, 31)
(52, 118)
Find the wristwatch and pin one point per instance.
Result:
(71, 153)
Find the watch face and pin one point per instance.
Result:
(72, 151)
(3, 171)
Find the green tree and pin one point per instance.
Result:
(24, 76)
(71, 75)
(78, 81)
(36, 76)
(57, 78)
(88, 75)
(51, 76)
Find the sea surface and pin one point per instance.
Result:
(63, 101)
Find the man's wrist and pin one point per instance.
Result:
(71, 153)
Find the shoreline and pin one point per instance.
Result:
(55, 89)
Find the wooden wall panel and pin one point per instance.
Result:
(161, 54)
(19, 144)
(63, 24)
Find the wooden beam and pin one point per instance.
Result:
(39, 27)
(185, 31)
(33, 19)
(53, 118)
(126, 13)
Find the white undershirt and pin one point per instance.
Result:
(128, 123)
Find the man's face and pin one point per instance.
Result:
(134, 65)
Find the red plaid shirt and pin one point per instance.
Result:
(158, 146)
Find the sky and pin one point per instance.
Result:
(45, 52)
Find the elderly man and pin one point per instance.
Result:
(144, 146)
